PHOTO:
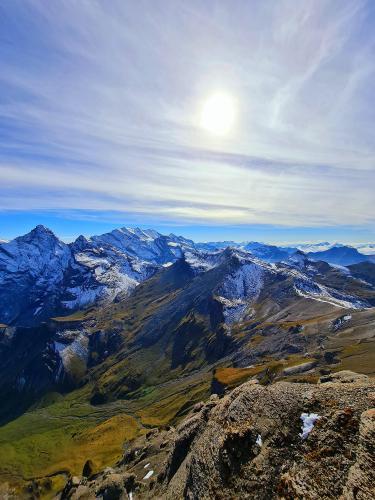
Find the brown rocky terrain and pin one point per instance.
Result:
(248, 445)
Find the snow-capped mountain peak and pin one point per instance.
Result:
(38, 252)
(146, 244)
(81, 243)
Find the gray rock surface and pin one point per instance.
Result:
(216, 453)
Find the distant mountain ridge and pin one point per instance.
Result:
(335, 253)
(41, 276)
(340, 255)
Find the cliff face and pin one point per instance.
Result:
(282, 441)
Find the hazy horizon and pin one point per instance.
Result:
(198, 234)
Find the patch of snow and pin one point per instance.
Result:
(77, 348)
(149, 474)
(233, 310)
(259, 441)
(59, 371)
(59, 346)
(309, 289)
(308, 422)
(343, 269)
(130, 495)
(83, 296)
(147, 465)
(202, 261)
(340, 322)
(239, 290)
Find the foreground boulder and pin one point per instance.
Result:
(283, 441)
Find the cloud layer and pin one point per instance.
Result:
(99, 105)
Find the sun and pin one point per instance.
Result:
(218, 114)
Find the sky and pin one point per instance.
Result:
(101, 118)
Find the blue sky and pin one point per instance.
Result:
(99, 118)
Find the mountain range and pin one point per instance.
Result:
(106, 337)
(41, 276)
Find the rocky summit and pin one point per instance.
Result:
(281, 441)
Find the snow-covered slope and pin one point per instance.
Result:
(147, 245)
(38, 253)
(312, 290)
(112, 269)
(32, 271)
(240, 289)
(309, 277)
(250, 280)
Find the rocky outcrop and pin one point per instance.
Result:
(250, 445)
(361, 477)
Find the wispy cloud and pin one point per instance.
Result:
(99, 104)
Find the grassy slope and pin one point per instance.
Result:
(354, 346)
(57, 438)
(61, 436)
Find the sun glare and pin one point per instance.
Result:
(218, 114)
